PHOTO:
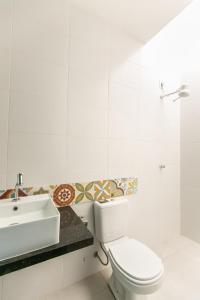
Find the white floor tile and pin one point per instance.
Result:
(176, 244)
(106, 273)
(90, 288)
(104, 295)
(181, 258)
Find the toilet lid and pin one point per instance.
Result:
(136, 260)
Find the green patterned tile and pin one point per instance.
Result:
(84, 192)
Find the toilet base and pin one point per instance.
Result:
(120, 293)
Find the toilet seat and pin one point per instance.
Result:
(135, 261)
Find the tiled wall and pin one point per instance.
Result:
(68, 194)
(190, 128)
(70, 94)
(84, 105)
(80, 102)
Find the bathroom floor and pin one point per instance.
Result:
(182, 277)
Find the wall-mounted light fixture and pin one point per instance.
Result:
(181, 92)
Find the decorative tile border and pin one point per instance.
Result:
(67, 194)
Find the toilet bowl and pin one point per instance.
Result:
(136, 270)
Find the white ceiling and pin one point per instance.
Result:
(142, 18)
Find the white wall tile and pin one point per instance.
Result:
(88, 121)
(190, 114)
(123, 125)
(2, 182)
(5, 42)
(4, 69)
(40, 157)
(170, 122)
(4, 102)
(190, 141)
(38, 113)
(123, 112)
(34, 281)
(37, 76)
(127, 73)
(89, 59)
(148, 201)
(87, 91)
(144, 205)
(170, 153)
(158, 195)
(190, 164)
(88, 76)
(87, 158)
(6, 7)
(40, 12)
(150, 155)
(190, 107)
(170, 113)
(88, 28)
(81, 263)
(190, 212)
(122, 48)
(151, 107)
(170, 201)
(46, 30)
(4, 110)
(123, 158)
(190, 128)
(3, 154)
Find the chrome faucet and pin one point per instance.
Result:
(19, 184)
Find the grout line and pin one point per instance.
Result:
(36, 133)
(68, 41)
(42, 59)
(108, 126)
(68, 89)
(9, 91)
(108, 108)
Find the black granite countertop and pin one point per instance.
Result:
(74, 235)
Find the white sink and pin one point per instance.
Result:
(27, 225)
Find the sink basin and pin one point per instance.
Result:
(27, 225)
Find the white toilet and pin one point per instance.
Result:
(137, 270)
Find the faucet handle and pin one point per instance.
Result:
(19, 179)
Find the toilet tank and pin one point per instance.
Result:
(111, 219)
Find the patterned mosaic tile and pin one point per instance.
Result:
(132, 186)
(102, 190)
(41, 191)
(115, 190)
(11, 194)
(28, 190)
(66, 194)
(48, 189)
(128, 185)
(84, 192)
